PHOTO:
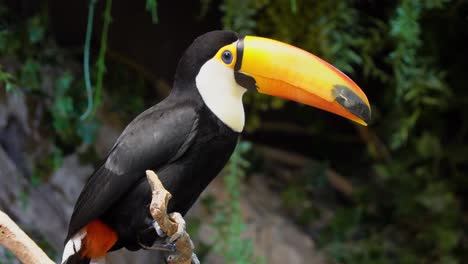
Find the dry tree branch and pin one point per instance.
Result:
(28, 252)
(16, 240)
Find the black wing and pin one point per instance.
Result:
(151, 140)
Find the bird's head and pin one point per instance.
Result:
(225, 64)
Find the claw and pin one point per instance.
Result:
(171, 247)
(179, 220)
(175, 257)
(195, 259)
(158, 229)
(175, 237)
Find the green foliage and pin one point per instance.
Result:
(293, 6)
(417, 82)
(229, 222)
(295, 195)
(36, 30)
(45, 166)
(42, 73)
(95, 101)
(238, 15)
(6, 80)
(100, 64)
(63, 108)
(86, 55)
(152, 8)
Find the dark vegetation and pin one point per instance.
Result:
(408, 168)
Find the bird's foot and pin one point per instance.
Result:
(170, 243)
(170, 247)
(177, 239)
(158, 229)
(161, 243)
(181, 226)
(195, 259)
(183, 243)
(172, 224)
(175, 258)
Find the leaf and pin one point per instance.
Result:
(36, 30)
(293, 4)
(429, 146)
(9, 86)
(448, 239)
(30, 77)
(152, 8)
(7, 79)
(437, 198)
(64, 106)
(87, 131)
(63, 83)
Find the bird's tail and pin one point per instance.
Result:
(90, 243)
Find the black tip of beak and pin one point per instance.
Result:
(351, 102)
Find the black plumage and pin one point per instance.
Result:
(179, 138)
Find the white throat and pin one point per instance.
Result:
(221, 93)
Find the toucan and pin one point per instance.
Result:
(188, 137)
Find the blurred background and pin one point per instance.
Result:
(303, 186)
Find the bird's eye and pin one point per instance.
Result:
(227, 57)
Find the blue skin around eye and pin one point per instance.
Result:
(227, 57)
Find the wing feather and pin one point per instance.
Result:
(156, 137)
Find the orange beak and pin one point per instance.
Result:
(285, 71)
